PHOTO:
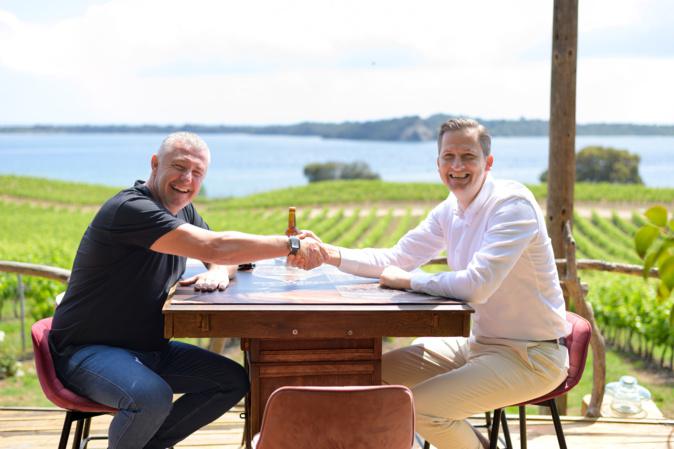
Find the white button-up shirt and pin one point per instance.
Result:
(501, 259)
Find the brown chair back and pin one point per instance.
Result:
(377, 417)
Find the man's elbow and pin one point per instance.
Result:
(480, 291)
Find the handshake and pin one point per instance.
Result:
(313, 252)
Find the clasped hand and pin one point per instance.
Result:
(312, 253)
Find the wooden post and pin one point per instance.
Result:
(562, 149)
(562, 153)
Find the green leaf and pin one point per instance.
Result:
(657, 215)
(671, 224)
(644, 237)
(671, 317)
(663, 291)
(667, 272)
(649, 261)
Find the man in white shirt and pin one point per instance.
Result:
(502, 265)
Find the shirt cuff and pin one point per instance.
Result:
(349, 261)
(418, 281)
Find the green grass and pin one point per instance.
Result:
(617, 365)
(57, 191)
(321, 193)
(339, 192)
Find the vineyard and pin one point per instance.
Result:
(49, 235)
(48, 232)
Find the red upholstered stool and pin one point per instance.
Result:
(577, 342)
(78, 409)
(373, 417)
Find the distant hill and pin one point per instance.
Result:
(410, 129)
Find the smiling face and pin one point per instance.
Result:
(177, 174)
(462, 165)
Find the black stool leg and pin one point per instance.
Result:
(85, 433)
(493, 432)
(558, 424)
(523, 427)
(78, 433)
(506, 431)
(487, 419)
(65, 432)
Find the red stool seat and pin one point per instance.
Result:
(79, 409)
(578, 343)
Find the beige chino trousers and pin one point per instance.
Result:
(454, 378)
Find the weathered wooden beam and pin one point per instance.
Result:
(562, 148)
(601, 265)
(575, 292)
(30, 269)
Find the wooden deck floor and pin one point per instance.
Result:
(29, 429)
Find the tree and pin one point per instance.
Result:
(605, 164)
(323, 171)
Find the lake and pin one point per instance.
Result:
(244, 164)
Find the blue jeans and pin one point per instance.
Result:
(141, 385)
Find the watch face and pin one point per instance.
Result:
(294, 243)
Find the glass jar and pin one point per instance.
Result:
(627, 395)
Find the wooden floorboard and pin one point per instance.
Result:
(37, 429)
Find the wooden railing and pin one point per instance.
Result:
(31, 269)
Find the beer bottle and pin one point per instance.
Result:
(292, 227)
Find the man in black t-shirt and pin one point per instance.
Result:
(107, 341)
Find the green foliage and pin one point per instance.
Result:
(7, 360)
(598, 234)
(41, 235)
(654, 242)
(82, 196)
(324, 171)
(7, 364)
(605, 164)
(56, 191)
(50, 235)
(338, 192)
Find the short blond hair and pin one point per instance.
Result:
(186, 138)
(457, 124)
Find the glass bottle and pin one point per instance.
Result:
(292, 226)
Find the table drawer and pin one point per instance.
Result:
(298, 351)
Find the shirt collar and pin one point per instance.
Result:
(477, 203)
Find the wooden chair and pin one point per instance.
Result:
(78, 409)
(374, 417)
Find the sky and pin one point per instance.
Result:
(281, 62)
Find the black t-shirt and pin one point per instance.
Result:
(118, 285)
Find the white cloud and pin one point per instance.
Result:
(625, 90)
(268, 61)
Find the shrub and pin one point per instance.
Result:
(605, 164)
(323, 171)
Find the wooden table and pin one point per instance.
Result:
(320, 327)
